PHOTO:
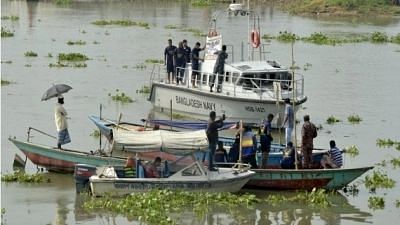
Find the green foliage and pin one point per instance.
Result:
(80, 42)
(140, 66)
(321, 39)
(351, 150)
(72, 57)
(395, 39)
(171, 27)
(153, 207)
(154, 61)
(378, 180)
(95, 134)
(62, 2)
(379, 37)
(125, 23)
(7, 61)
(144, 90)
(120, 97)
(387, 143)
(286, 36)
(354, 119)
(268, 37)
(332, 120)
(316, 198)
(22, 177)
(60, 65)
(395, 162)
(49, 55)
(375, 202)
(30, 54)
(397, 203)
(5, 82)
(12, 18)
(200, 3)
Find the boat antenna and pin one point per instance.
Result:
(294, 105)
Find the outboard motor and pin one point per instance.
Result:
(82, 174)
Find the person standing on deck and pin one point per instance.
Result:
(187, 49)
(266, 140)
(180, 62)
(60, 116)
(169, 60)
(195, 57)
(212, 136)
(219, 69)
(308, 133)
(288, 121)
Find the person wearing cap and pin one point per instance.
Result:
(60, 117)
(288, 121)
(212, 136)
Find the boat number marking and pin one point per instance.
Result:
(254, 109)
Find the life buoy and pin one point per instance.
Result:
(255, 38)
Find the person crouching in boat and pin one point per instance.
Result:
(333, 158)
(289, 154)
(129, 171)
(249, 143)
(151, 168)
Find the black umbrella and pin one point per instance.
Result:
(56, 90)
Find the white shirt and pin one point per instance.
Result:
(60, 117)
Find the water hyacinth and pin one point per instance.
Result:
(121, 23)
(72, 57)
(30, 54)
(332, 120)
(387, 143)
(120, 97)
(375, 202)
(6, 33)
(154, 61)
(316, 198)
(379, 37)
(22, 177)
(352, 150)
(286, 36)
(354, 119)
(144, 90)
(378, 180)
(154, 207)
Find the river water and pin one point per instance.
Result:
(360, 79)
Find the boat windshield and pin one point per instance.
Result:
(264, 79)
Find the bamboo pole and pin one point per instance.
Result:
(294, 111)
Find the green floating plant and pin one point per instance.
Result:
(155, 206)
(387, 143)
(30, 54)
(154, 61)
(375, 202)
(120, 97)
(12, 18)
(332, 120)
(6, 33)
(144, 90)
(121, 23)
(286, 36)
(352, 150)
(5, 82)
(95, 134)
(379, 37)
(72, 57)
(354, 119)
(378, 180)
(80, 42)
(317, 198)
(22, 177)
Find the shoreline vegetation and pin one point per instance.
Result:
(384, 8)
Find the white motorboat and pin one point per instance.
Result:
(250, 89)
(193, 178)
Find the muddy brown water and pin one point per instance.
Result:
(360, 79)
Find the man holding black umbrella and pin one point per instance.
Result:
(60, 116)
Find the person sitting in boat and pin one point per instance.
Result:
(333, 158)
(220, 154)
(151, 168)
(289, 154)
(129, 170)
(233, 155)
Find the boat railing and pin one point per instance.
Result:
(238, 86)
(39, 131)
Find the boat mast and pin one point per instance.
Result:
(294, 105)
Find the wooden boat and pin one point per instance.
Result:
(193, 178)
(64, 160)
(106, 128)
(305, 179)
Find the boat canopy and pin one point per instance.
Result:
(180, 143)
